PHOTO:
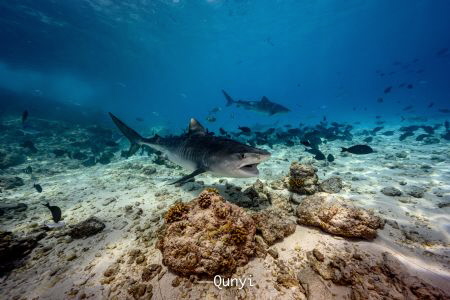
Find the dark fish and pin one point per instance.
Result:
(223, 131)
(447, 125)
(410, 86)
(368, 139)
(56, 212)
(377, 117)
(215, 110)
(59, 152)
(408, 107)
(211, 119)
(79, 155)
(289, 143)
(28, 170)
(388, 89)
(380, 100)
(139, 119)
(420, 137)
(442, 52)
(358, 149)
(330, 158)
(24, 116)
(388, 133)
(376, 129)
(405, 135)
(324, 118)
(245, 129)
(319, 156)
(305, 143)
(30, 145)
(444, 110)
(38, 187)
(430, 105)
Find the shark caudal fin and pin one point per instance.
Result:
(134, 137)
(228, 97)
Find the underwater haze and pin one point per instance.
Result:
(225, 149)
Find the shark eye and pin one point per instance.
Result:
(242, 155)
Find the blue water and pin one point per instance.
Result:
(167, 61)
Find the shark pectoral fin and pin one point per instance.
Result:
(187, 177)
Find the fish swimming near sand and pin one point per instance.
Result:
(264, 106)
(200, 152)
(358, 149)
(56, 212)
(38, 187)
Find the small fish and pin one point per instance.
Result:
(30, 145)
(28, 170)
(410, 86)
(79, 156)
(38, 187)
(430, 105)
(330, 158)
(358, 149)
(215, 110)
(59, 152)
(211, 119)
(388, 89)
(376, 129)
(245, 129)
(388, 133)
(444, 110)
(380, 100)
(319, 156)
(24, 116)
(305, 143)
(420, 137)
(289, 143)
(408, 107)
(405, 135)
(139, 119)
(223, 131)
(56, 212)
(368, 139)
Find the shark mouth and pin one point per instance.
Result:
(250, 168)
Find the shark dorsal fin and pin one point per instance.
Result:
(195, 127)
(265, 99)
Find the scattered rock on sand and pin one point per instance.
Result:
(86, 228)
(13, 249)
(206, 236)
(331, 185)
(273, 226)
(390, 280)
(8, 183)
(337, 216)
(10, 159)
(415, 191)
(303, 179)
(151, 271)
(391, 191)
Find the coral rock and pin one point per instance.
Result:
(391, 191)
(336, 216)
(331, 185)
(208, 241)
(273, 225)
(10, 159)
(8, 183)
(86, 228)
(303, 179)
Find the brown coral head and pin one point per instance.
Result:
(176, 212)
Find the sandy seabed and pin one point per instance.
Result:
(130, 196)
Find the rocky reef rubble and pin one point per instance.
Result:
(335, 215)
(209, 236)
(303, 179)
(206, 236)
(86, 228)
(13, 249)
(371, 277)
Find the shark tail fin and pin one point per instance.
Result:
(228, 97)
(134, 137)
(343, 149)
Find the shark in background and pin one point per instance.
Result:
(264, 106)
(198, 151)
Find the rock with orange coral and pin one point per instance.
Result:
(335, 215)
(303, 179)
(207, 236)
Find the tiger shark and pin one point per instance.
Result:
(199, 151)
(264, 106)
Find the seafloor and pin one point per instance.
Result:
(366, 244)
